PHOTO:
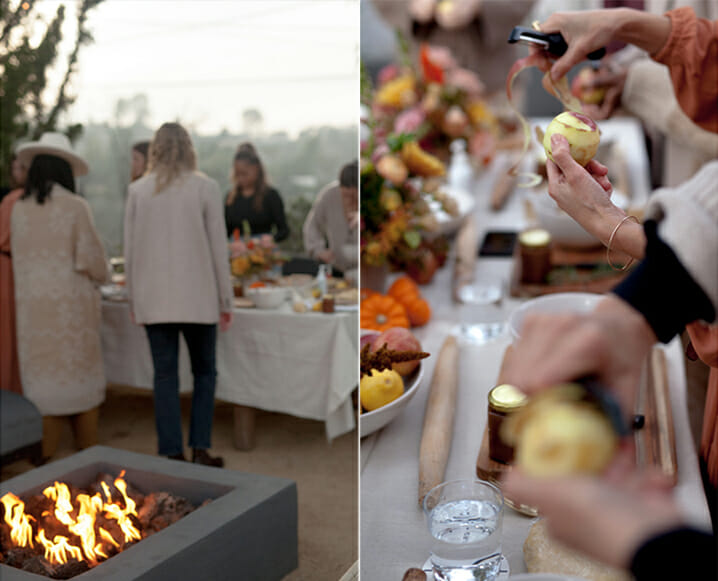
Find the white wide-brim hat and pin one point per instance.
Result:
(56, 144)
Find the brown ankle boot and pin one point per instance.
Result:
(202, 457)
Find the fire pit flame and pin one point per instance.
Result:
(56, 550)
(20, 527)
(86, 539)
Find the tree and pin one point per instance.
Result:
(135, 111)
(27, 110)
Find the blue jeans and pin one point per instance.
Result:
(201, 342)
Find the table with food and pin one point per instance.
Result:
(292, 348)
(436, 330)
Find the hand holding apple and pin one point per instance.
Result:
(612, 80)
(586, 89)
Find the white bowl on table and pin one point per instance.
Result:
(267, 297)
(370, 422)
(556, 303)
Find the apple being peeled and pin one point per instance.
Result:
(580, 88)
(399, 339)
(581, 132)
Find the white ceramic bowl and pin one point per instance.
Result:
(372, 421)
(552, 303)
(267, 297)
(564, 230)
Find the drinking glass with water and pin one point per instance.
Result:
(465, 519)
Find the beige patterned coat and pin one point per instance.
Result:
(58, 261)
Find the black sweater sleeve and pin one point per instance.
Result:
(683, 553)
(276, 209)
(663, 291)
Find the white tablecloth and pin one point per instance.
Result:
(277, 360)
(394, 536)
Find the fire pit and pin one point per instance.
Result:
(245, 526)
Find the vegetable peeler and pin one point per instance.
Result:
(608, 403)
(553, 43)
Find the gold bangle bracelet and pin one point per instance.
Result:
(610, 242)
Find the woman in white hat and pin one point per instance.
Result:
(58, 262)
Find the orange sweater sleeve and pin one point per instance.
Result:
(691, 54)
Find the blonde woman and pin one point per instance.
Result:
(178, 282)
(58, 262)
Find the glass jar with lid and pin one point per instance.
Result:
(504, 399)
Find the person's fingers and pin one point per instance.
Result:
(593, 111)
(605, 183)
(603, 78)
(611, 100)
(596, 168)
(555, 176)
(623, 462)
(554, 349)
(575, 53)
(562, 157)
(547, 494)
(551, 24)
(653, 479)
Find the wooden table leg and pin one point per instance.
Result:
(244, 420)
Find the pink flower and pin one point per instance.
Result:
(409, 121)
(266, 241)
(237, 248)
(379, 151)
(387, 73)
(442, 57)
(467, 81)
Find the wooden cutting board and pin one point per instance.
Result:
(655, 441)
(570, 272)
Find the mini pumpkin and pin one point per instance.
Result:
(417, 309)
(382, 312)
(405, 290)
(403, 286)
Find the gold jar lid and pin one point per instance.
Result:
(535, 237)
(506, 398)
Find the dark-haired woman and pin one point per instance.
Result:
(252, 200)
(58, 262)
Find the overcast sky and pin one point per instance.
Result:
(206, 61)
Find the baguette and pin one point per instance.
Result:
(439, 418)
(466, 241)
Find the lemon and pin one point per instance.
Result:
(380, 388)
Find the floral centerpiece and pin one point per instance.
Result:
(398, 226)
(438, 101)
(251, 257)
